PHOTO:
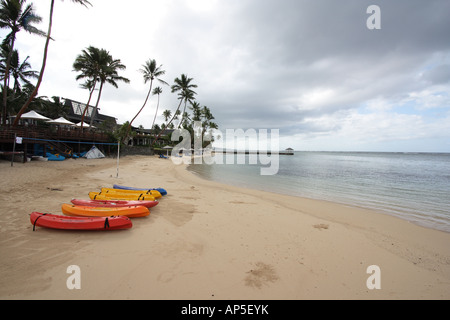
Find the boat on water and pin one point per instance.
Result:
(61, 222)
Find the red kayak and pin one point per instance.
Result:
(79, 223)
(114, 203)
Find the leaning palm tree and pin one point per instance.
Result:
(15, 15)
(157, 91)
(151, 72)
(44, 60)
(184, 86)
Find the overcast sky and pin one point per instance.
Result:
(311, 69)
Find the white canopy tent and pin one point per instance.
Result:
(61, 121)
(34, 116)
(85, 125)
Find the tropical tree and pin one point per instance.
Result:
(184, 87)
(51, 108)
(20, 71)
(89, 64)
(97, 66)
(109, 74)
(15, 15)
(167, 114)
(196, 111)
(150, 71)
(203, 115)
(44, 60)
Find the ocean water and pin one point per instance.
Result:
(412, 186)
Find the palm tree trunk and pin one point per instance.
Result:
(156, 113)
(145, 102)
(87, 104)
(162, 131)
(94, 112)
(41, 74)
(182, 115)
(6, 82)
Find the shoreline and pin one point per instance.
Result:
(207, 240)
(414, 213)
(342, 202)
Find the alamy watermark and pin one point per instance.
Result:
(374, 20)
(74, 280)
(374, 280)
(258, 146)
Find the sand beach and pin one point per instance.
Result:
(208, 241)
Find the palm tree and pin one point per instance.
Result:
(184, 86)
(167, 114)
(196, 111)
(150, 71)
(185, 96)
(97, 65)
(186, 93)
(44, 60)
(89, 64)
(157, 91)
(16, 16)
(19, 70)
(110, 75)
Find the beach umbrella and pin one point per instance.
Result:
(62, 121)
(167, 148)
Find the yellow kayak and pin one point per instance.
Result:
(154, 193)
(86, 211)
(119, 196)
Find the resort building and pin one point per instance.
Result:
(76, 112)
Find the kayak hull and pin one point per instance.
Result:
(119, 196)
(86, 211)
(61, 222)
(161, 190)
(153, 193)
(114, 203)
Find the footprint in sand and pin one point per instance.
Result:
(320, 226)
(263, 274)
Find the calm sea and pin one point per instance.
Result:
(412, 186)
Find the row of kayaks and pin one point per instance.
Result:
(109, 209)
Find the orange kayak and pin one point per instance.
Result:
(86, 211)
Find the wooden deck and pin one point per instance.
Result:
(62, 140)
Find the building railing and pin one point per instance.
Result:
(7, 133)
